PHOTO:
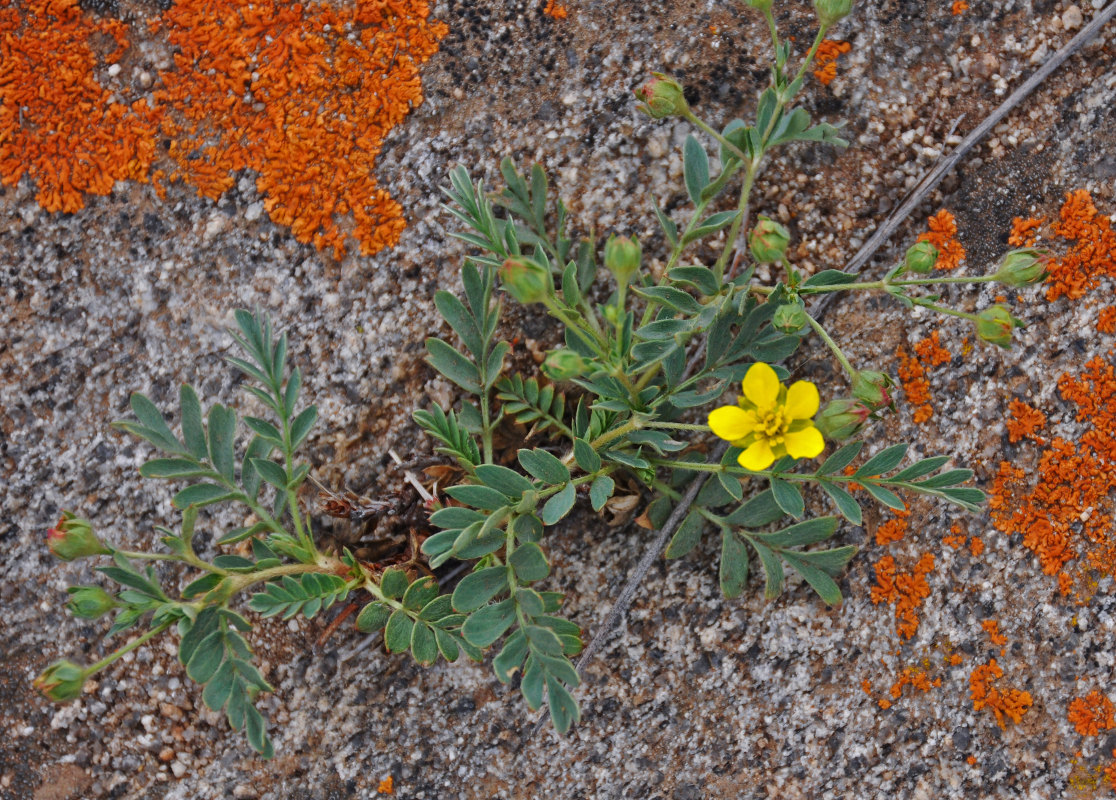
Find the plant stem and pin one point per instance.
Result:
(240, 582)
(92, 669)
(736, 151)
(678, 426)
(953, 312)
(741, 212)
(810, 55)
(840, 356)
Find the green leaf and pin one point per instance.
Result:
(672, 298)
(373, 617)
(447, 645)
(437, 609)
(477, 588)
(559, 505)
(841, 458)
(686, 537)
(700, 277)
(456, 517)
(506, 481)
(262, 427)
(970, 499)
(544, 466)
(201, 494)
(600, 490)
(455, 366)
(819, 581)
(772, 570)
(459, 318)
(884, 461)
(563, 708)
(950, 477)
(533, 683)
(734, 565)
(511, 657)
(803, 533)
(585, 456)
(885, 496)
(845, 502)
(478, 496)
(151, 419)
(173, 468)
(670, 229)
(206, 658)
(788, 497)
(393, 583)
(205, 624)
(424, 645)
(710, 224)
(270, 472)
(419, 593)
(829, 277)
(832, 562)
(302, 425)
(529, 563)
(731, 485)
(487, 624)
(397, 633)
(193, 433)
(758, 511)
(695, 168)
(222, 437)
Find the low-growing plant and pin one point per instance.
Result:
(617, 409)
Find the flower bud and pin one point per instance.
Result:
(830, 12)
(921, 258)
(90, 602)
(61, 681)
(662, 97)
(564, 364)
(789, 318)
(872, 389)
(768, 241)
(842, 419)
(73, 537)
(525, 280)
(622, 256)
(1023, 267)
(994, 325)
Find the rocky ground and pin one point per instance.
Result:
(695, 697)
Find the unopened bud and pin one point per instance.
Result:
(622, 257)
(921, 258)
(90, 602)
(1023, 267)
(73, 537)
(842, 419)
(789, 318)
(61, 681)
(564, 364)
(525, 280)
(994, 325)
(768, 241)
(872, 389)
(830, 12)
(662, 97)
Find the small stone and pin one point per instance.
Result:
(170, 711)
(178, 768)
(114, 69)
(166, 754)
(254, 211)
(243, 791)
(214, 226)
(1071, 18)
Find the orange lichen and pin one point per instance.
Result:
(956, 542)
(555, 10)
(1106, 320)
(1067, 509)
(1093, 254)
(303, 94)
(825, 60)
(1024, 421)
(942, 234)
(976, 546)
(1024, 232)
(58, 125)
(914, 678)
(906, 590)
(913, 370)
(387, 785)
(1110, 771)
(892, 530)
(959, 7)
(992, 628)
(1012, 703)
(971, 761)
(955, 659)
(1092, 714)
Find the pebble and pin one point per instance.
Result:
(1071, 18)
(254, 211)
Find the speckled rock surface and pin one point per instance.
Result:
(694, 697)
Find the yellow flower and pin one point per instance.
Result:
(770, 421)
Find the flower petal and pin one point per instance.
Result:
(806, 443)
(761, 386)
(731, 422)
(802, 400)
(758, 456)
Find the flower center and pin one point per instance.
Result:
(772, 424)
